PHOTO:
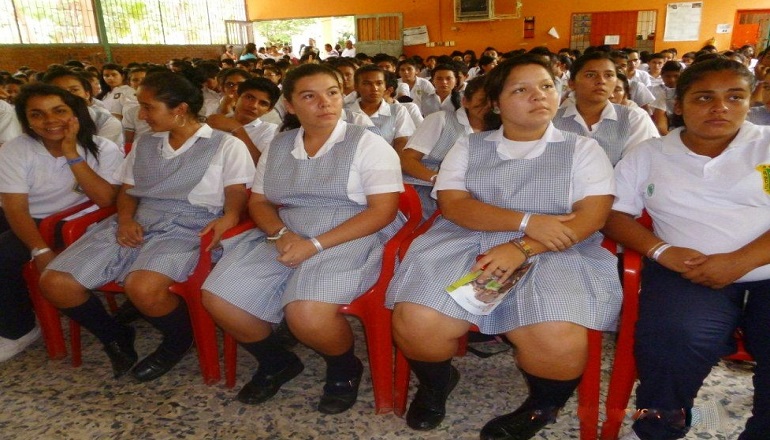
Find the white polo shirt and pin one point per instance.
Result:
(428, 133)
(591, 169)
(9, 124)
(404, 126)
(376, 168)
(26, 167)
(711, 205)
(230, 165)
(118, 98)
(261, 133)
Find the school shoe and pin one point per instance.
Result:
(11, 347)
(158, 363)
(339, 397)
(264, 386)
(428, 408)
(122, 354)
(521, 424)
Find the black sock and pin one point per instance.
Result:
(434, 375)
(270, 354)
(93, 316)
(176, 329)
(341, 367)
(548, 393)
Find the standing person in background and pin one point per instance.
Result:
(349, 51)
(118, 95)
(228, 54)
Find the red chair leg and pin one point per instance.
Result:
(380, 347)
(47, 316)
(231, 360)
(588, 390)
(401, 384)
(205, 334)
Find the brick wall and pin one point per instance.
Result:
(38, 56)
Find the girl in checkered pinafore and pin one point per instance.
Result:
(180, 182)
(337, 185)
(525, 192)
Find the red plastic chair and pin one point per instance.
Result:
(623, 373)
(370, 309)
(204, 330)
(588, 390)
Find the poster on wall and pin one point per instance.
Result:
(415, 35)
(683, 21)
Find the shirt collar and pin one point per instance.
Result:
(748, 134)
(608, 112)
(338, 134)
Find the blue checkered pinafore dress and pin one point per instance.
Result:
(452, 130)
(611, 135)
(579, 285)
(169, 222)
(314, 199)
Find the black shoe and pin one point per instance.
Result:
(122, 354)
(263, 387)
(521, 424)
(127, 313)
(158, 363)
(428, 408)
(341, 396)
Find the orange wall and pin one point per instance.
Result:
(505, 35)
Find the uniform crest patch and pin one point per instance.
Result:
(764, 170)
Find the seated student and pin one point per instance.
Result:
(655, 64)
(638, 80)
(419, 88)
(178, 183)
(445, 97)
(9, 124)
(133, 127)
(391, 87)
(593, 78)
(57, 163)
(705, 186)
(337, 186)
(117, 95)
(760, 115)
(663, 107)
(392, 119)
(422, 156)
(486, 63)
(256, 97)
(107, 125)
(622, 90)
(12, 89)
(493, 207)
(430, 63)
(229, 80)
(208, 71)
(348, 70)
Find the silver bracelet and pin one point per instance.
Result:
(525, 221)
(659, 251)
(316, 243)
(284, 230)
(36, 252)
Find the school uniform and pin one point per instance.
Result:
(131, 122)
(261, 133)
(118, 98)
(547, 176)
(619, 127)
(179, 191)
(437, 134)
(421, 88)
(316, 194)
(107, 125)
(392, 120)
(713, 205)
(26, 167)
(9, 124)
(431, 103)
(759, 115)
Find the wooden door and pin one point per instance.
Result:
(379, 33)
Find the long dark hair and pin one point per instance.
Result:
(290, 121)
(85, 136)
(698, 71)
(174, 89)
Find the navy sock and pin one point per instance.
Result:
(176, 329)
(270, 354)
(93, 316)
(434, 375)
(548, 393)
(341, 367)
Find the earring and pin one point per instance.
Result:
(496, 110)
(176, 121)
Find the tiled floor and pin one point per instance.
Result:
(50, 400)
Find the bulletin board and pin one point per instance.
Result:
(683, 21)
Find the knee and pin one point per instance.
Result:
(56, 286)
(417, 328)
(552, 342)
(310, 317)
(148, 296)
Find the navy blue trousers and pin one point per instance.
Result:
(685, 328)
(16, 316)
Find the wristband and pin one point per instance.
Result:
(522, 246)
(525, 221)
(284, 230)
(76, 160)
(433, 178)
(316, 243)
(659, 251)
(654, 247)
(36, 252)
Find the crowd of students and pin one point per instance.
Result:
(530, 157)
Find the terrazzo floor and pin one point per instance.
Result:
(42, 399)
